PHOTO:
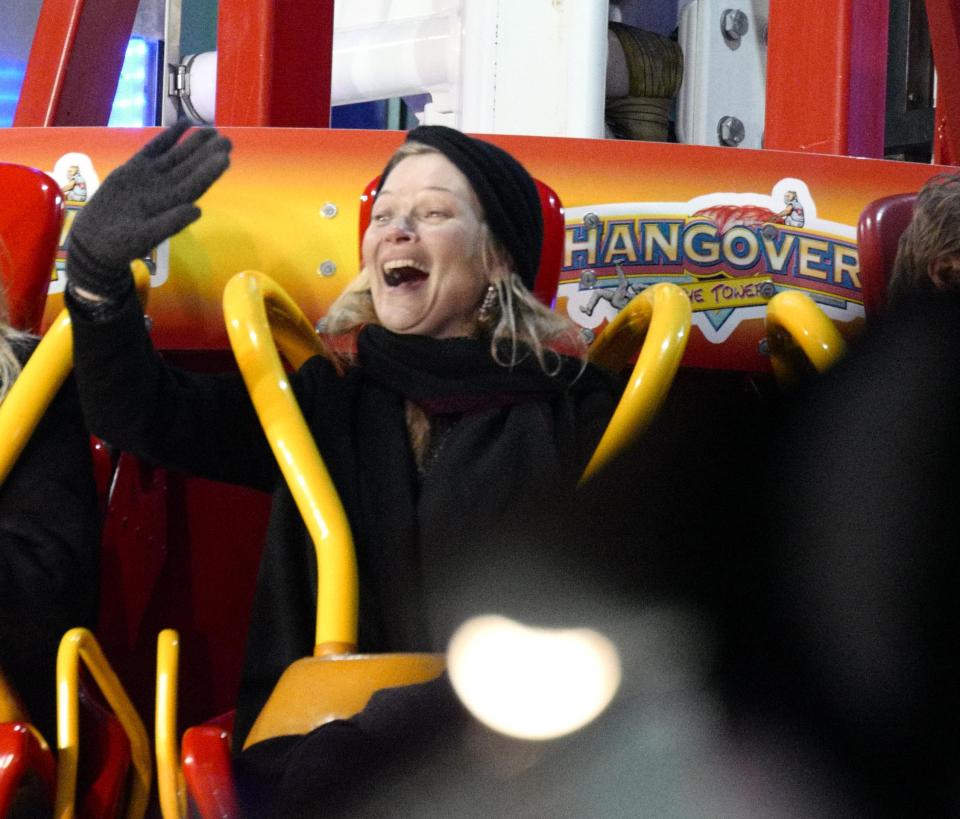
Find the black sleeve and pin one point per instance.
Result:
(201, 423)
(49, 552)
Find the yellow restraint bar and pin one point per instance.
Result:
(170, 784)
(659, 318)
(77, 644)
(41, 378)
(255, 309)
(795, 321)
(33, 391)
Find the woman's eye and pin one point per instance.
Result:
(380, 218)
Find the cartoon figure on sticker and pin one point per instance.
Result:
(618, 297)
(792, 214)
(76, 176)
(75, 188)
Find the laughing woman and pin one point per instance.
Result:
(455, 405)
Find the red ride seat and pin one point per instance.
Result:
(878, 236)
(31, 213)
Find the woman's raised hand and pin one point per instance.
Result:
(146, 200)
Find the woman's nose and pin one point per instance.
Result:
(400, 229)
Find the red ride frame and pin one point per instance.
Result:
(274, 62)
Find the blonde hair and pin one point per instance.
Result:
(518, 325)
(933, 233)
(9, 337)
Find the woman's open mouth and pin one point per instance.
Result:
(403, 271)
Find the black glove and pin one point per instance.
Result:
(146, 200)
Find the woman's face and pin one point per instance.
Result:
(423, 249)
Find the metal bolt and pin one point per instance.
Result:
(730, 131)
(734, 24)
(329, 210)
(591, 220)
(327, 268)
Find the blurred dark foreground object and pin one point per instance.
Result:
(780, 578)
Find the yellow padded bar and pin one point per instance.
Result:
(42, 376)
(11, 708)
(659, 317)
(255, 307)
(33, 391)
(794, 317)
(77, 644)
(170, 784)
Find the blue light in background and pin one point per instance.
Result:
(134, 103)
(11, 78)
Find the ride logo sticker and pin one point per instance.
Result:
(729, 252)
(78, 180)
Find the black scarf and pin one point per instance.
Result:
(460, 375)
(518, 432)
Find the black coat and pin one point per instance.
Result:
(49, 553)
(515, 434)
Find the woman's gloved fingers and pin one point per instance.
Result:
(169, 223)
(164, 141)
(189, 188)
(197, 142)
(187, 166)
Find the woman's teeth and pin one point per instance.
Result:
(401, 271)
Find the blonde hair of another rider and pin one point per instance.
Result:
(9, 337)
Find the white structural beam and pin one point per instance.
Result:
(534, 67)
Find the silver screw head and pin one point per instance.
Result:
(329, 210)
(591, 220)
(730, 131)
(327, 268)
(734, 25)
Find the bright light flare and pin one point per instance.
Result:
(532, 683)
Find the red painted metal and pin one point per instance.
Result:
(551, 251)
(867, 93)
(164, 544)
(75, 62)
(274, 61)
(103, 466)
(20, 754)
(878, 236)
(208, 771)
(104, 760)
(943, 17)
(942, 155)
(826, 76)
(31, 213)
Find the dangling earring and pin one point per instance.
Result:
(490, 300)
